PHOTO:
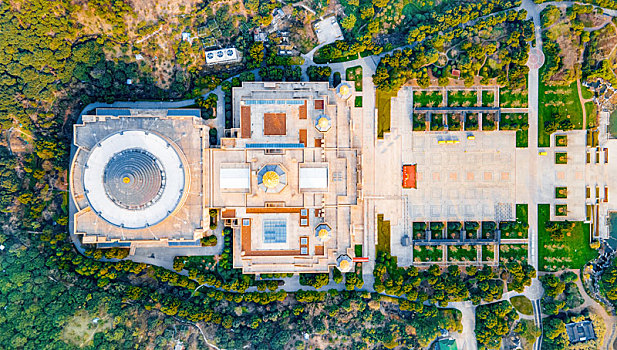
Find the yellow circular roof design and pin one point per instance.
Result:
(344, 90)
(323, 123)
(271, 179)
(323, 233)
(344, 264)
(126, 179)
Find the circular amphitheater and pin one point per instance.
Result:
(134, 179)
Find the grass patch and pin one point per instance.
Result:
(358, 249)
(419, 122)
(462, 253)
(488, 253)
(355, 74)
(437, 123)
(612, 124)
(522, 304)
(513, 252)
(462, 98)
(471, 122)
(561, 157)
(591, 110)
(570, 253)
(454, 121)
(561, 140)
(518, 229)
(383, 235)
(383, 111)
(488, 121)
(557, 102)
(512, 98)
(358, 101)
(561, 192)
(518, 122)
(427, 98)
(488, 98)
(80, 329)
(427, 253)
(561, 210)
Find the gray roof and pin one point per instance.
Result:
(579, 332)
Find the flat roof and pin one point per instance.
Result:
(314, 177)
(275, 124)
(235, 178)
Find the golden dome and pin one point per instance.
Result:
(344, 90)
(344, 265)
(323, 233)
(126, 179)
(323, 123)
(271, 179)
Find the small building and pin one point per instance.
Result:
(580, 332)
(222, 56)
(446, 344)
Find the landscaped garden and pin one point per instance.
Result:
(437, 123)
(561, 158)
(561, 140)
(471, 229)
(513, 252)
(427, 98)
(462, 98)
(488, 98)
(518, 122)
(462, 253)
(516, 229)
(488, 121)
(488, 229)
(419, 230)
(522, 304)
(562, 244)
(471, 121)
(561, 192)
(454, 121)
(512, 98)
(383, 235)
(560, 109)
(454, 230)
(383, 111)
(561, 209)
(358, 101)
(419, 122)
(427, 253)
(488, 253)
(355, 74)
(437, 230)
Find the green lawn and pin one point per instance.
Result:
(591, 110)
(518, 122)
(571, 253)
(462, 98)
(488, 98)
(612, 124)
(561, 192)
(427, 253)
(427, 98)
(355, 74)
(522, 304)
(518, 229)
(513, 252)
(383, 111)
(522, 211)
(512, 99)
(488, 253)
(555, 102)
(383, 235)
(462, 253)
(358, 249)
(358, 101)
(561, 157)
(561, 140)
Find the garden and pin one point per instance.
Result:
(437, 123)
(561, 140)
(489, 121)
(488, 229)
(437, 230)
(355, 74)
(454, 121)
(488, 253)
(471, 229)
(561, 192)
(462, 253)
(562, 244)
(488, 98)
(358, 101)
(419, 230)
(419, 122)
(427, 253)
(383, 235)
(561, 210)
(561, 158)
(462, 98)
(516, 229)
(427, 98)
(384, 105)
(513, 98)
(518, 122)
(560, 109)
(471, 121)
(513, 252)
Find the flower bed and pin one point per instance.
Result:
(462, 253)
(427, 253)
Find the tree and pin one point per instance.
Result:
(349, 22)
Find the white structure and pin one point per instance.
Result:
(221, 56)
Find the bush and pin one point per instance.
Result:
(209, 241)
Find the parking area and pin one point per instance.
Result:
(328, 30)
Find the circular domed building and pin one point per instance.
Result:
(131, 178)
